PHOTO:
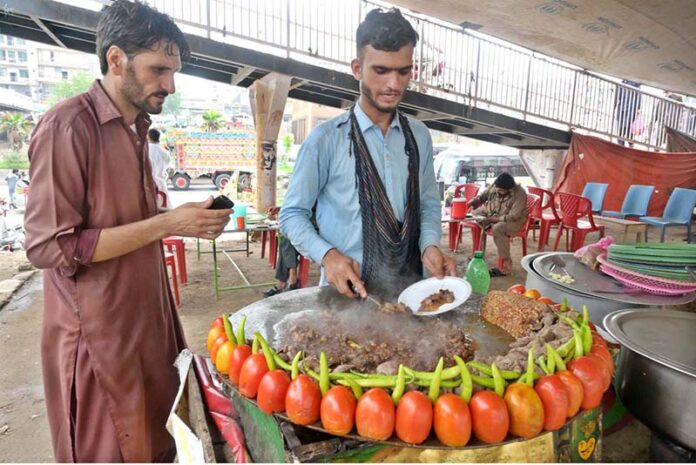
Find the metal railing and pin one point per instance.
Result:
(449, 62)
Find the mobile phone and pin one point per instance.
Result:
(221, 202)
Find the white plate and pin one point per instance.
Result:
(413, 295)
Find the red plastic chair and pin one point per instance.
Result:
(467, 191)
(545, 214)
(533, 202)
(171, 263)
(176, 246)
(573, 208)
(303, 271)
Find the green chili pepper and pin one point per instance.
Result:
(434, 391)
(385, 382)
(280, 362)
(570, 355)
(255, 345)
(563, 349)
(570, 322)
(295, 367)
(324, 383)
(564, 304)
(486, 370)
(267, 352)
(541, 361)
(311, 373)
(578, 343)
(585, 315)
(560, 365)
(400, 385)
(357, 390)
(483, 381)
(467, 385)
(447, 373)
(529, 379)
(550, 359)
(586, 339)
(241, 337)
(229, 332)
(498, 382)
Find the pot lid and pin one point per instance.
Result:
(664, 336)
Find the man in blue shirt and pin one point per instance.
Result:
(370, 173)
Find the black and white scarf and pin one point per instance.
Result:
(391, 251)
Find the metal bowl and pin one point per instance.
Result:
(656, 370)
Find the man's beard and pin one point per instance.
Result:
(367, 92)
(133, 90)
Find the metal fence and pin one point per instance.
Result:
(449, 62)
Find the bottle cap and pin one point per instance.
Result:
(478, 254)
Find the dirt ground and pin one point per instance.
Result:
(24, 435)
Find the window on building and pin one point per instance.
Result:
(299, 130)
(3, 72)
(21, 42)
(64, 75)
(10, 40)
(2, 39)
(24, 73)
(53, 57)
(3, 56)
(12, 56)
(13, 77)
(22, 56)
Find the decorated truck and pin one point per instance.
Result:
(218, 156)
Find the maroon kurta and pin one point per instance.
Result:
(110, 329)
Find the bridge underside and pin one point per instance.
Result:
(74, 28)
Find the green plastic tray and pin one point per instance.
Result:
(668, 272)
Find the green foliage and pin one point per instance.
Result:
(172, 104)
(79, 83)
(288, 139)
(212, 121)
(18, 127)
(14, 160)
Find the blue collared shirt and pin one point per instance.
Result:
(325, 174)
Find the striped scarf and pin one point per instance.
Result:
(391, 251)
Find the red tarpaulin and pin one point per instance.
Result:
(590, 159)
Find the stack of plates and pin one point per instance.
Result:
(667, 261)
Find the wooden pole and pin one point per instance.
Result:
(268, 96)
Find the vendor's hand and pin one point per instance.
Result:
(273, 212)
(343, 272)
(493, 219)
(438, 264)
(194, 219)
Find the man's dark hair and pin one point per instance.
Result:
(387, 30)
(505, 181)
(15, 171)
(134, 27)
(154, 135)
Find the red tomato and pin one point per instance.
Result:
(214, 333)
(272, 389)
(374, 415)
(545, 300)
(490, 419)
(218, 322)
(414, 417)
(526, 410)
(517, 289)
(590, 375)
(452, 420)
(223, 356)
(573, 389)
(337, 410)
(604, 368)
(554, 398)
(253, 369)
(239, 354)
(303, 401)
(593, 328)
(598, 340)
(216, 346)
(604, 353)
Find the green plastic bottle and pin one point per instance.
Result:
(477, 274)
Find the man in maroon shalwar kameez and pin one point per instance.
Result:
(110, 329)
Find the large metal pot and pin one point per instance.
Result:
(656, 370)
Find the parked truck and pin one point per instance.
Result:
(217, 156)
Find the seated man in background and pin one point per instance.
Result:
(504, 204)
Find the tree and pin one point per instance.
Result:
(17, 127)
(212, 121)
(288, 139)
(79, 83)
(172, 105)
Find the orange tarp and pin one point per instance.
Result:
(590, 159)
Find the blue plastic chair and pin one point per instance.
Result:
(595, 191)
(635, 203)
(678, 211)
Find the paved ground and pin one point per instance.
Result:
(24, 435)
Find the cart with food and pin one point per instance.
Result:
(316, 377)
